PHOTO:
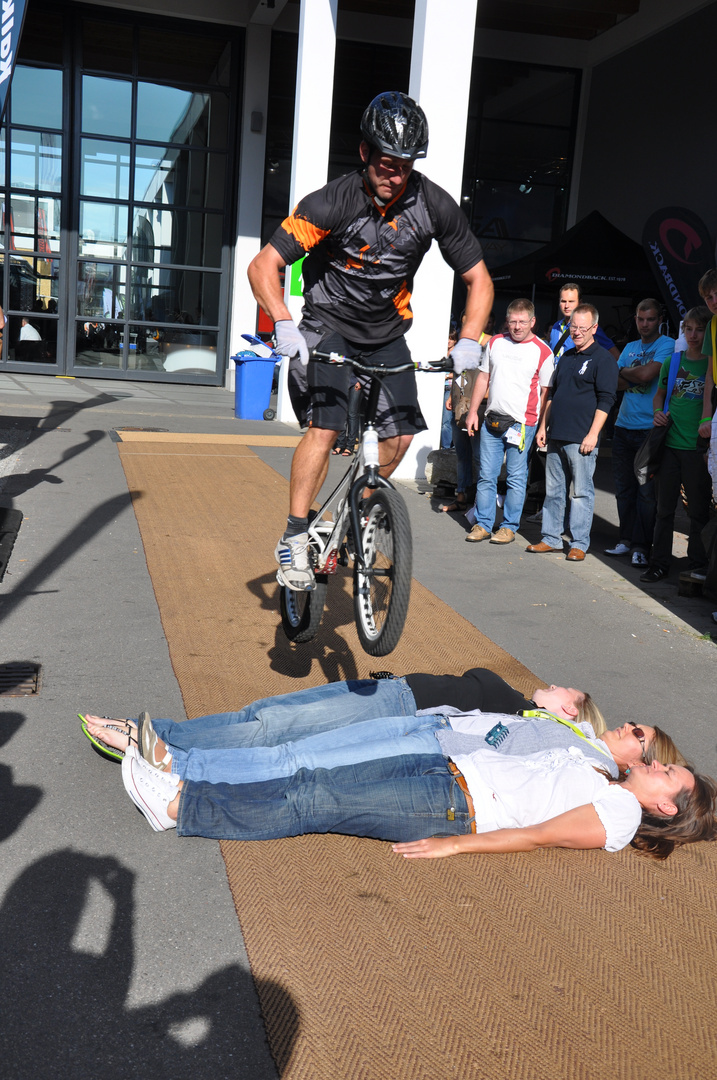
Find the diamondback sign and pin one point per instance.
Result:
(679, 250)
(13, 16)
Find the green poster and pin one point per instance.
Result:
(296, 287)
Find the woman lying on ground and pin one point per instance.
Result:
(275, 720)
(431, 807)
(393, 736)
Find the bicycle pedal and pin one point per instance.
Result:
(332, 560)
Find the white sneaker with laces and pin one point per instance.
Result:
(639, 558)
(619, 549)
(151, 794)
(295, 570)
(172, 778)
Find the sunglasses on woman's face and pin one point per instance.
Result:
(640, 736)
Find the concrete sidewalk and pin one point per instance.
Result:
(121, 948)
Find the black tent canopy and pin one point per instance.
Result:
(594, 253)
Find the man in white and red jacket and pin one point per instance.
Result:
(515, 372)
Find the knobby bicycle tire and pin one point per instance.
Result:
(301, 611)
(382, 593)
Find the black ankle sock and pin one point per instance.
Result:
(294, 526)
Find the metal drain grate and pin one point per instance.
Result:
(19, 679)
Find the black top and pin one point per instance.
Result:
(362, 254)
(583, 382)
(477, 688)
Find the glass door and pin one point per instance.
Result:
(31, 151)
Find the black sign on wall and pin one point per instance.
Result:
(679, 250)
(11, 20)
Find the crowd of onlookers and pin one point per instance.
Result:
(534, 412)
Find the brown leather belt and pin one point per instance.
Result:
(461, 781)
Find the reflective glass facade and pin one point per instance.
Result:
(116, 162)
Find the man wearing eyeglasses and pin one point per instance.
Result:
(581, 396)
(515, 373)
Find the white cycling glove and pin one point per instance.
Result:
(466, 354)
(290, 342)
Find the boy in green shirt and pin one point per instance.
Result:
(683, 463)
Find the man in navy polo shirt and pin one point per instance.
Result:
(579, 400)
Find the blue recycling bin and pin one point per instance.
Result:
(252, 385)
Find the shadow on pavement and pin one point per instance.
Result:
(76, 539)
(66, 938)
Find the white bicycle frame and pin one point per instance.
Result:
(327, 537)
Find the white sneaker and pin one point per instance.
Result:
(619, 549)
(537, 518)
(152, 771)
(639, 558)
(151, 794)
(295, 570)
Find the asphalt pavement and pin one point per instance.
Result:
(122, 947)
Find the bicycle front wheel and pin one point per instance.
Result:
(301, 611)
(382, 589)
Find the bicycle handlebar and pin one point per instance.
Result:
(368, 369)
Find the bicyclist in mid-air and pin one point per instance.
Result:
(366, 234)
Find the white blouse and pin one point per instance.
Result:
(513, 792)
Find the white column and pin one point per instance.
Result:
(251, 185)
(312, 109)
(441, 63)
(312, 130)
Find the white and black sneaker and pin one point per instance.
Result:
(150, 790)
(295, 570)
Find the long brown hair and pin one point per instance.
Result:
(694, 820)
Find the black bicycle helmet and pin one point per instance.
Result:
(396, 125)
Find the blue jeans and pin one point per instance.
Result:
(492, 448)
(398, 798)
(389, 736)
(565, 463)
(467, 456)
(274, 720)
(635, 503)
(446, 422)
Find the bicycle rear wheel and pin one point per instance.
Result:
(382, 591)
(301, 611)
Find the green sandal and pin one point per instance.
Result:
(102, 747)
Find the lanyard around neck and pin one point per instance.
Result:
(543, 714)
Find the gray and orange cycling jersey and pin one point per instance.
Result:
(362, 255)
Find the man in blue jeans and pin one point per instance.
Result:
(515, 372)
(579, 400)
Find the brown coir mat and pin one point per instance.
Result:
(565, 965)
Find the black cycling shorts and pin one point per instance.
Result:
(319, 393)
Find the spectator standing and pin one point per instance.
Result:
(580, 398)
(639, 369)
(570, 297)
(683, 462)
(466, 446)
(708, 292)
(515, 371)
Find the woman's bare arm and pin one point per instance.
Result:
(580, 828)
